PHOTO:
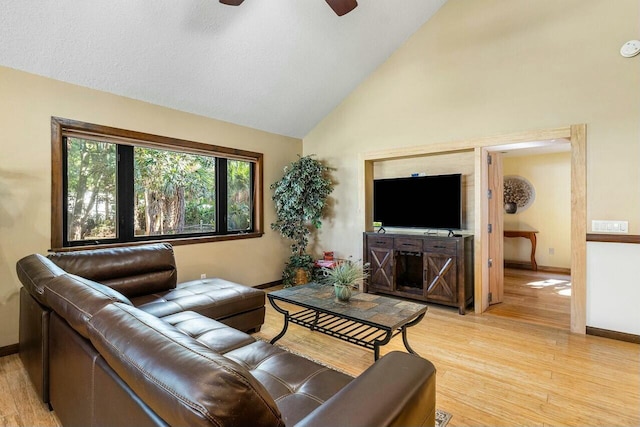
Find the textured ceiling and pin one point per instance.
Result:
(275, 65)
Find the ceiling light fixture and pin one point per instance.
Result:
(340, 7)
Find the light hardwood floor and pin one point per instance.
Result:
(491, 371)
(536, 297)
(19, 404)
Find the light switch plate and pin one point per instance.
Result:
(602, 226)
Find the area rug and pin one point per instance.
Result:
(442, 417)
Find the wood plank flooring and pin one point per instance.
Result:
(19, 404)
(536, 297)
(491, 371)
(498, 370)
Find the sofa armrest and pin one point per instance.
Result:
(397, 390)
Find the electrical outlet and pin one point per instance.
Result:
(203, 276)
(552, 251)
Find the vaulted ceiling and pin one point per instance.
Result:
(275, 65)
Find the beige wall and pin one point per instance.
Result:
(485, 68)
(550, 213)
(27, 103)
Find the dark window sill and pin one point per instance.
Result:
(174, 242)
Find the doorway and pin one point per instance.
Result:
(535, 219)
(576, 135)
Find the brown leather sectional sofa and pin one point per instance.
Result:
(147, 276)
(113, 363)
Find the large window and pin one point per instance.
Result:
(113, 186)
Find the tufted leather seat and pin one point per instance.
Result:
(215, 298)
(297, 385)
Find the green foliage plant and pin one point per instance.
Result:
(300, 198)
(346, 273)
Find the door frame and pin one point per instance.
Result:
(575, 134)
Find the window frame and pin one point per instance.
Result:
(62, 128)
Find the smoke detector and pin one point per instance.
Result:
(630, 48)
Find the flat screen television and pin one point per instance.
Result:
(432, 202)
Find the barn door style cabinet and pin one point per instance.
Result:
(435, 269)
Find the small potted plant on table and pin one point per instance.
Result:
(346, 276)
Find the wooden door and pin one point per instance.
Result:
(495, 227)
(380, 259)
(381, 269)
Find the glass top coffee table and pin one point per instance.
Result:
(367, 320)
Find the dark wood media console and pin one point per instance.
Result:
(428, 268)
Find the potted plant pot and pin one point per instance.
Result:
(301, 277)
(343, 292)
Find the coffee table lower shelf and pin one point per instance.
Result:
(346, 329)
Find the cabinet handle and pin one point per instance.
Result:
(440, 247)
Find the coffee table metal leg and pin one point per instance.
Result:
(406, 343)
(285, 313)
(404, 333)
(378, 343)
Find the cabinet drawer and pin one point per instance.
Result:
(441, 246)
(408, 244)
(380, 242)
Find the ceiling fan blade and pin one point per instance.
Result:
(341, 7)
(232, 2)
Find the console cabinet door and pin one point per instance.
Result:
(380, 257)
(440, 272)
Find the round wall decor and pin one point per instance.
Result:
(518, 190)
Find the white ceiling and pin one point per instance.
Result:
(275, 65)
(534, 148)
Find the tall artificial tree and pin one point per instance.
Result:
(300, 198)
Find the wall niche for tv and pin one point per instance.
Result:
(461, 162)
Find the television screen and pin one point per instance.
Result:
(422, 202)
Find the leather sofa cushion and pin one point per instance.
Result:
(180, 379)
(215, 335)
(132, 271)
(297, 385)
(35, 271)
(77, 299)
(214, 298)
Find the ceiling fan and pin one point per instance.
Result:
(340, 7)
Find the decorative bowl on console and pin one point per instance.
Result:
(518, 195)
